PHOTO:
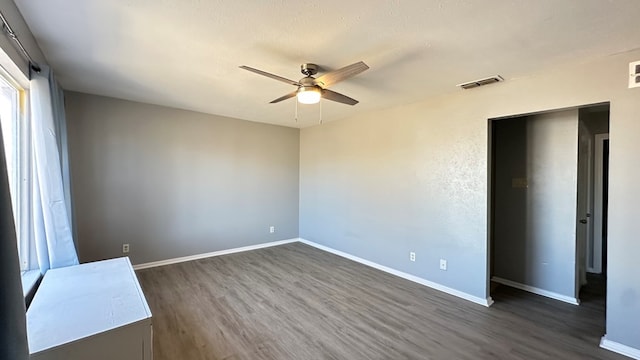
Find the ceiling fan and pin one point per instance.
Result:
(311, 89)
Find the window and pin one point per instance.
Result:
(14, 135)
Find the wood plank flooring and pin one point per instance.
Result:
(297, 302)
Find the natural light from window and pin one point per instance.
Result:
(11, 135)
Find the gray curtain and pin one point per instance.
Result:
(12, 308)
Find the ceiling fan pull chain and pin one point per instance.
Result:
(296, 112)
(320, 112)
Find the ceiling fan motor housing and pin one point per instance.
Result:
(309, 69)
(307, 82)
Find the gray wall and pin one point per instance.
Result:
(411, 178)
(415, 177)
(174, 183)
(535, 226)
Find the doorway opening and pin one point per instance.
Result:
(548, 176)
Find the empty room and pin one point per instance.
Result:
(320, 179)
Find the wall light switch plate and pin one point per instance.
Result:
(634, 74)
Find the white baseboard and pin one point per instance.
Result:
(485, 302)
(211, 254)
(619, 348)
(535, 290)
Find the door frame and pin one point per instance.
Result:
(597, 166)
(595, 252)
(584, 209)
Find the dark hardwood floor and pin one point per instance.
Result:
(298, 302)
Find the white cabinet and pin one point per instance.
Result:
(90, 311)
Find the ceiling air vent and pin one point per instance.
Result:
(481, 82)
(634, 74)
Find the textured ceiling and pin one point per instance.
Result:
(186, 53)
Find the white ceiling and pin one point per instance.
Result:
(186, 53)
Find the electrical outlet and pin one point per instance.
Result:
(412, 256)
(443, 264)
(272, 229)
(125, 248)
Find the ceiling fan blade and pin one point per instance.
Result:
(334, 96)
(285, 97)
(346, 72)
(269, 75)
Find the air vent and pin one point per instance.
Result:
(634, 74)
(481, 82)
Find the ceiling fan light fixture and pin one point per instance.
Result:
(309, 90)
(308, 95)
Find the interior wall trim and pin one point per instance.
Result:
(619, 348)
(211, 254)
(484, 302)
(535, 290)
